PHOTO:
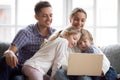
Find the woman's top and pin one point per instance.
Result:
(51, 54)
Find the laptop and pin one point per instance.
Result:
(85, 64)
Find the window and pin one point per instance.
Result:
(16, 14)
(7, 19)
(102, 20)
(88, 6)
(26, 13)
(106, 15)
(5, 11)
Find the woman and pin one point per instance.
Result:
(77, 19)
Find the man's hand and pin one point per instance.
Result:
(11, 58)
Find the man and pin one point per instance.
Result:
(27, 42)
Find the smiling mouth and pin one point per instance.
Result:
(48, 22)
(83, 47)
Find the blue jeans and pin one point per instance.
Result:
(110, 75)
(61, 74)
(8, 73)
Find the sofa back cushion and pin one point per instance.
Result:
(3, 47)
(113, 54)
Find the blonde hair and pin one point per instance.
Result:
(70, 31)
(85, 34)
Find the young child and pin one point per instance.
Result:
(86, 45)
(51, 54)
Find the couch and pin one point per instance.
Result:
(3, 47)
(113, 54)
(111, 51)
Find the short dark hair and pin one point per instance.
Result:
(40, 5)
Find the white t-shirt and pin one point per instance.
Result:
(51, 54)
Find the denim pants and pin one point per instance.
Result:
(110, 75)
(8, 73)
(61, 74)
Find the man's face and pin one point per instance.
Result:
(45, 17)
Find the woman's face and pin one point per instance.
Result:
(78, 20)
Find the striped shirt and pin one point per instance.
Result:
(28, 41)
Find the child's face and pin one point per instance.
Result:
(84, 44)
(72, 39)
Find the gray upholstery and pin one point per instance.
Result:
(111, 51)
(113, 54)
(3, 47)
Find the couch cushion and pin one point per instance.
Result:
(3, 47)
(113, 54)
(119, 76)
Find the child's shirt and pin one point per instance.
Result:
(51, 54)
(91, 49)
(96, 50)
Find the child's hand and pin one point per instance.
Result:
(46, 77)
(102, 74)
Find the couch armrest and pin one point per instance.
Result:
(3, 47)
(113, 54)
